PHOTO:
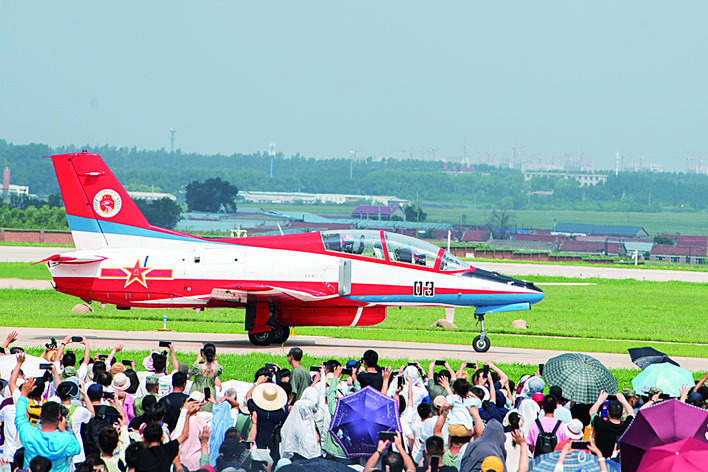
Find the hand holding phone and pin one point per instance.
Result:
(579, 444)
(207, 393)
(439, 362)
(387, 436)
(77, 339)
(165, 343)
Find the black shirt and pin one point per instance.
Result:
(266, 422)
(607, 434)
(157, 458)
(374, 379)
(173, 404)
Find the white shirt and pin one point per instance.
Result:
(79, 416)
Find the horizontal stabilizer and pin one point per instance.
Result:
(71, 260)
(483, 310)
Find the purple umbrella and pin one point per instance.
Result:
(358, 419)
(667, 422)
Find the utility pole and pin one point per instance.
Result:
(172, 140)
(271, 153)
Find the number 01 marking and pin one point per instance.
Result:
(421, 288)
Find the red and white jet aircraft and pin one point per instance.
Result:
(322, 278)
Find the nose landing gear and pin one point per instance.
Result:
(481, 343)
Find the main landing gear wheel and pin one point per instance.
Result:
(281, 334)
(481, 343)
(261, 339)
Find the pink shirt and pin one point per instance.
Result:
(191, 449)
(548, 423)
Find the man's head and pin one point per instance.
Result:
(108, 440)
(233, 432)
(371, 358)
(425, 411)
(40, 464)
(68, 359)
(152, 433)
(614, 410)
(461, 387)
(331, 365)
(67, 390)
(179, 380)
(434, 446)
(51, 413)
(630, 395)
(155, 413)
(549, 404)
(103, 378)
(152, 384)
(557, 392)
(37, 391)
(295, 353)
(443, 373)
(393, 460)
(159, 362)
(95, 392)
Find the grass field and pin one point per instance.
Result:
(608, 317)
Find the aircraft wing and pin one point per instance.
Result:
(240, 293)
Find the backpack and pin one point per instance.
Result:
(105, 417)
(545, 442)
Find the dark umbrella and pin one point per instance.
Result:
(667, 422)
(358, 419)
(573, 462)
(581, 377)
(317, 464)
(679, 456)
(645, 356)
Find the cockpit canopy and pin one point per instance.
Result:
(392, 247)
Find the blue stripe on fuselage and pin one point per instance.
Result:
(481, 299)
(90, 225)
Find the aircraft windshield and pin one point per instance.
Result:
(364, 243)
(400, 248)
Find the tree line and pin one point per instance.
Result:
(486, 187)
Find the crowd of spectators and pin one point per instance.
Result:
(100, 414)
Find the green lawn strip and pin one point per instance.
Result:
(11, 243)
(24, 270)
(616, 309)
(243, 367)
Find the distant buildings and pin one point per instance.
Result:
(583, 179)
(312, 198)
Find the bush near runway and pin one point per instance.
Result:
(608, 317)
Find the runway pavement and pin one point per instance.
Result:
(319, 346)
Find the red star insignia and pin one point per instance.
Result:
(136, 274)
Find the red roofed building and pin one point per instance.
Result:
(682, 254)
(596, 248)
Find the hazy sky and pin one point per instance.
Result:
(320, 78)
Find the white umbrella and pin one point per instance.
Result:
(30, 366)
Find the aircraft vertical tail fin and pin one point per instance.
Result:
(99, 210)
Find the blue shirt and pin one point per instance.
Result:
(57, 446)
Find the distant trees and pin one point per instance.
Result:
(211, 195)
(500, 220)
(415, 213)
(164, 212)
(44, 217)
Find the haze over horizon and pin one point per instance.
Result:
(388, 79)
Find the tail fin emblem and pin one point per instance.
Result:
(107, 203)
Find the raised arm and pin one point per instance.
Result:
(410, 465)
(118, 347)
(87, 350)
(173, 355)
(596, 406)
(503, 378)
(16, 372)
(380, 448)
(627, 407)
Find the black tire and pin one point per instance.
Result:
(481, 346)
(281, 334)
(261, 339)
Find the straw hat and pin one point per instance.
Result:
(120, 382)
(269, 397)
(117, 368)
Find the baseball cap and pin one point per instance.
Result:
(492, 464)
(95, 391)
(629, 393)
(556, 391)
(152, 380)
